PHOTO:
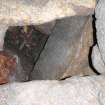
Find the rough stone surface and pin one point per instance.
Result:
(23, 12)
(72, 91)
(99, 50)
(28, 12)
(46, 28)
(62, 48)
(7, 66)
(19, 74)
(79, 64)
(10, 68)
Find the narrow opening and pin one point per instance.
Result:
(94, 43)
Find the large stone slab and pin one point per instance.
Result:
(63, 49)
(23, 12)
(72, 91)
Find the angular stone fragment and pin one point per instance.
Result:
(80, 61)
(7, 66)
(24, 12)
(66, 42)
(72, 91)
(10, 68)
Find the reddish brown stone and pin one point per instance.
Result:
(7, 65)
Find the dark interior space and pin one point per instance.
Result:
(27, 43)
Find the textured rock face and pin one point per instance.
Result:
(10, 68)
(7, 65)
(26, 12)
(23, 12)
(79, 64)
(74, 91)
(98, 55)
(66, 51)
